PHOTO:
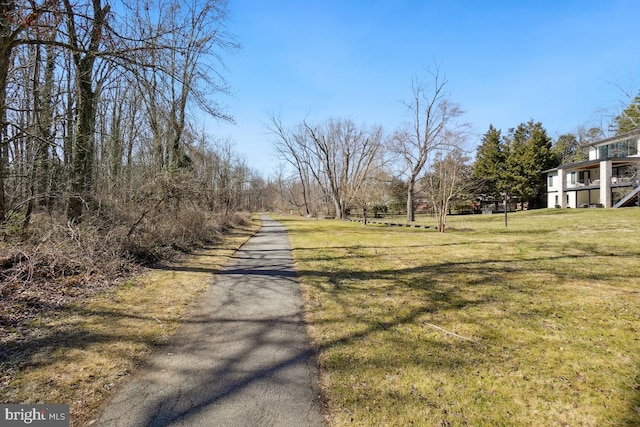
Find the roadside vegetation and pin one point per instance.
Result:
(70, 338)
(534, 324)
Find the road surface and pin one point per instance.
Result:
(242, 359)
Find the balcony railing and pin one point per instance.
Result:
(584, 183)
(596, 182)
(621, 180)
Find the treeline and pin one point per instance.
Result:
(397, 180)
(97, 104)
(340, 167)
(102, 154)
(98, 108)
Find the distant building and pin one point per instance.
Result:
(610, 178)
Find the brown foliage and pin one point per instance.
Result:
(58, 262)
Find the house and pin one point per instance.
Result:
(610, 178)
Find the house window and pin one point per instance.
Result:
(573, 178)
(583, 177)
(625, 148)
(622, 171)
(550, 180)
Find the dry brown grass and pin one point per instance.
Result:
(77, 349)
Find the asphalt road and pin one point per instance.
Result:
(242, 359)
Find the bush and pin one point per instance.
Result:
(57, 262)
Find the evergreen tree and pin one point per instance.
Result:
(528, 154)
(397, 194)
(568, 148)
(629, 119)
(489, 162)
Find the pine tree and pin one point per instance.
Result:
(489, 162)
(528, 154)
(568, 148)
(629, 119)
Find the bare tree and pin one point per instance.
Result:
(86, 25)
(373, 191)
(290, 147)
(73, 127)
(342, 156)
(449, 179)
(431, 114)
(188, 38)
(16, 20)
(338, 155)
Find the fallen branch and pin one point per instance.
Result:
(453, 333)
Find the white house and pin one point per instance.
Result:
(610, 178)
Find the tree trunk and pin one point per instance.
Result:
(45, 124)
(5, 59)
(83, 153)
(338, 206)
(5, 56)
(304, 193)
(39, 179)
(410, 202)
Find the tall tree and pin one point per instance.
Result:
(629, 119)
(200, 35)
(188, 39)
(16, 18)
(86, 39)
(447, 180)
(528, 154)
(489, 161)
(342, 156)
(568, 148)
(42, 133)
(337, 154)
(289, 146)
(431, 114)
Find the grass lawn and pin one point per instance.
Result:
(534, 324)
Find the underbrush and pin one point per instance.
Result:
(75, 319)
(54, 263)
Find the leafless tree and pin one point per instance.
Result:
(21, 23)
(290, 147)
(373, 192)
(85, 28)
(342, 156)
(337, 154)
(186, 52)
(449, 178)
(432, 113)
(96, 112)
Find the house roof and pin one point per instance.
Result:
(585, 164)
(619, 137)
(588, 163)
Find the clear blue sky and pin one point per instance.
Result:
(506, 62)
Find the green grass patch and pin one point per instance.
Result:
(534, 324)
(79, 355)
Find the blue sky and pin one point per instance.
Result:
(506, 62)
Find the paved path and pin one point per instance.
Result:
(242, 360)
